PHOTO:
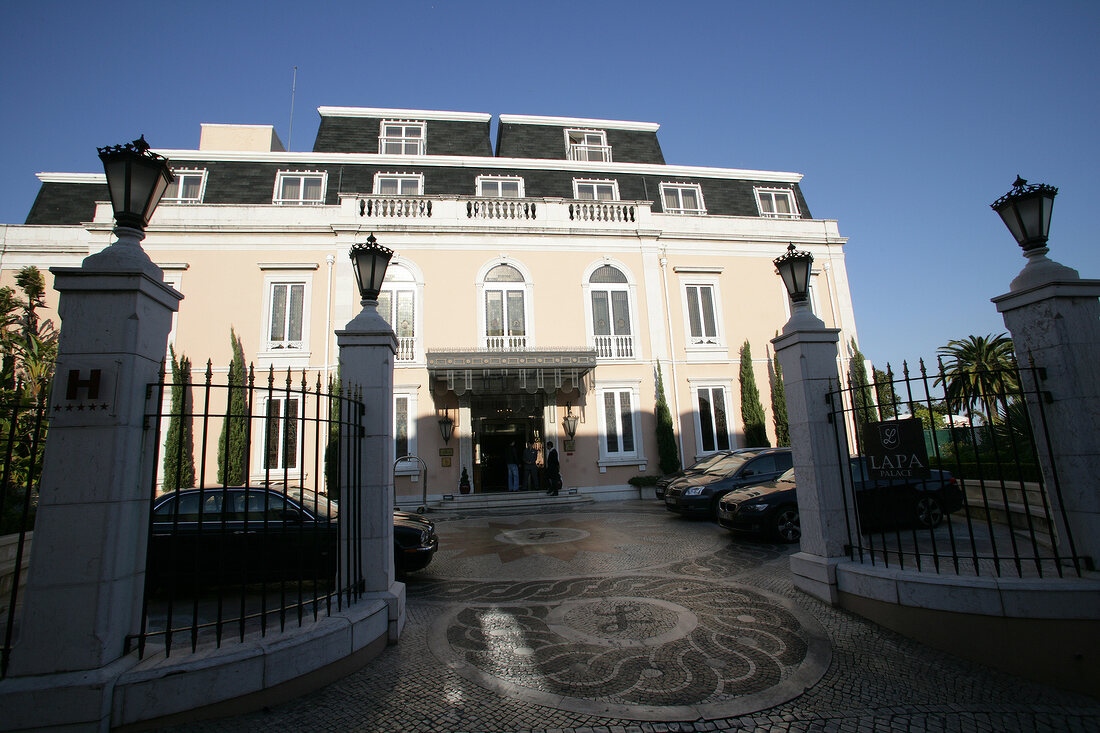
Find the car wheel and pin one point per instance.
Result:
(788, 528)
(929, 511)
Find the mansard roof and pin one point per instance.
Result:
(458, 151)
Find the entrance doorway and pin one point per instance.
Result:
(498, 422)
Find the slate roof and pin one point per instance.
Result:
(346, 142)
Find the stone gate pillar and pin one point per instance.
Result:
(367, 350)
(807, 352)
(87, 572)
(1054, 318)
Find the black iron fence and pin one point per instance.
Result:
(250, 529)
(23, 421)
(944, 473)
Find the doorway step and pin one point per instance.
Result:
(514, 500)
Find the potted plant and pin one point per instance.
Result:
(464, 482)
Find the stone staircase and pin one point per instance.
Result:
(1010, 504)
(518, 500)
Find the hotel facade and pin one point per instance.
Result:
(538, 277)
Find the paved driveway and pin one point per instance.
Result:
(619, 617)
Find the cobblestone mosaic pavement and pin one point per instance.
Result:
(618, 617)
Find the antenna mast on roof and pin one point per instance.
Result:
(293, 84)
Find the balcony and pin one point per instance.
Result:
(505, 343)
(614, 347)
(594, 153)
(406, 349)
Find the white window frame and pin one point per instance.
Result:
(407, 392)
(260, 470)
(788, 193)
(630, 287)
(613, 183)
(201, 173)
(526, 287)
(498, 180)
(418, 177)
(277, 274)
(590, 142)
(281, 176)
(702, 342)
(403, 140)
(403, 276)
(678, 188)
(607, 458)
(697, 385)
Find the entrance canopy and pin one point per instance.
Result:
(483, 372)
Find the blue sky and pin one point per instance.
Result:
(907, 119)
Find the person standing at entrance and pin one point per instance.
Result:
(530, 468)
(512, 459)
(553, 469)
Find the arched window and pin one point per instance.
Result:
(397, 304)
(612, 327)
(505, 308)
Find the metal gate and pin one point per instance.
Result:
(947, 477)
(249, 529)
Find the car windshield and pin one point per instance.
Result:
(730, 463)
(321, 506)
(704, 463)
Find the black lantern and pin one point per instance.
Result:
(569, 422)
(1026, 212)
(369, 259)
(446, 428)
(794, 268)
(136, 179)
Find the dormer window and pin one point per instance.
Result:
(188, 188)
(401, 138)
(682, 198)
(296, 188)
(588, 145)
(398, 184)
(595, 190)
(500, 187)
(776, 203)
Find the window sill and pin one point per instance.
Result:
(706, 352)
(605, 463)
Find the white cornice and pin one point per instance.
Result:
(468, 161)
(403, 114)
(579, 122)
(72, 177)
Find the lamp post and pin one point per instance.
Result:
(136, 180)
(1026, 211)
(794, 268)
(369, 259)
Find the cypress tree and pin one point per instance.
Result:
(863, 405)
(779, 404)
(179, 444)
(233, 441)
(668, 458)
(752, 411)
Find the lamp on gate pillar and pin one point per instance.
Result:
(1026, 210)
(136, 179)
(369, 259)
(794, 268)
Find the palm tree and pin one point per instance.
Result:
(979, 371)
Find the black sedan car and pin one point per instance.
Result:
(698, 494)
(699, 466)
(253, 534)
(771, 509)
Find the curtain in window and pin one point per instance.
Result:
(516, 321)
(291, 187)
(627, 415)
(494, 313)
(621, 313)
(610, 419)
(312, 189)
(601, 315)
(189, 187)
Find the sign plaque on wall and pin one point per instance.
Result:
(896, 449)
(446, 451)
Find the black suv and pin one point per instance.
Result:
(698, 494)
